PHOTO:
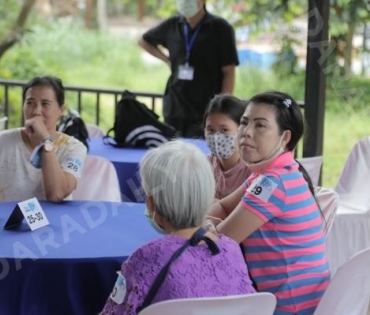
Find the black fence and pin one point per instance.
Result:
(95, 105)
(98, 100)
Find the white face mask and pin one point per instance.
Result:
(276, 151)
(221, 145)
(187, 8)
(154, 224)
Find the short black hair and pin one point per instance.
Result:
(55, 83)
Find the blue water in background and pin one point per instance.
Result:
(250, 57)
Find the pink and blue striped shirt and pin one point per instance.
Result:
(286, 255)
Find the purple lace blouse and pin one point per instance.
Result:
(196, 273)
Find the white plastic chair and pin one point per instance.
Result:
(2, 122)
(355, 176)
(313, 167)
(98, 182)
(349, 290)
(94, 131)
(328, 200)
(351, 229)
(257, 304)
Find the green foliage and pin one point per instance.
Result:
(286, 62)
(81, 57)
(67, 49)
(251, 81)
(342, 131)
(348, 96)
(153, 7)
(346, 12)
(21, 62)
(345, 16)
(8, 12)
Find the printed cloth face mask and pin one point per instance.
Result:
(187, 8)
(221, 145)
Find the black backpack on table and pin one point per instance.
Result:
(137, 126)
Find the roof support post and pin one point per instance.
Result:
(318, 49)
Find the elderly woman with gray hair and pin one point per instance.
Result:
(188, 261)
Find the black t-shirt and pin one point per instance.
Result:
(213, 48)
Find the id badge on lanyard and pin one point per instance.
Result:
(185, 71)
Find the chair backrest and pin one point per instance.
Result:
(256, 304)
(328, 201)
(94, 131)
(2, 122)
(349, 290)
(313, 167)
(355, 176)
(98, 182)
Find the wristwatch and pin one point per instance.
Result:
(48, 144)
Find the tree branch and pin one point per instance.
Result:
(16, 32)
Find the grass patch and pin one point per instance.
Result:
(341, 133)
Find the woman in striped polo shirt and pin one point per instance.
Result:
(274, 214)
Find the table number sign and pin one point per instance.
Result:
(30, 210)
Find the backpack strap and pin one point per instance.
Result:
(110, 140)
(107, 139)
(66, 122)
(109, 131)
(193, 241)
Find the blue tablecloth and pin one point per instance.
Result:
(68, 267)
(126, 162)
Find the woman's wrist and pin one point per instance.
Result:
(210, 223)
(210, 226)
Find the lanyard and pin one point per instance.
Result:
(189, 43)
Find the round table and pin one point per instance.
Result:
(68, 266)
(126, 162)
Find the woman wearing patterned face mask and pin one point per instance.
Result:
(274, 214)
(221, 121)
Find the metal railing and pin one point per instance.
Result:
(98, 102)
(75, 94)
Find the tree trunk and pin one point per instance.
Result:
(102, 15)
(141, 9)
(16, 32)
(364, 59)
(89, 14)
(348, 51)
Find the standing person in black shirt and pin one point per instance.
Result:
(202, 57)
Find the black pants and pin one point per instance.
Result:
(186, 128)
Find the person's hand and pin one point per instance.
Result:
(210, 227)
(35, 128)
(210, 224)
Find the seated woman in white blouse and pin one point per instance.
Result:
(57, 159)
